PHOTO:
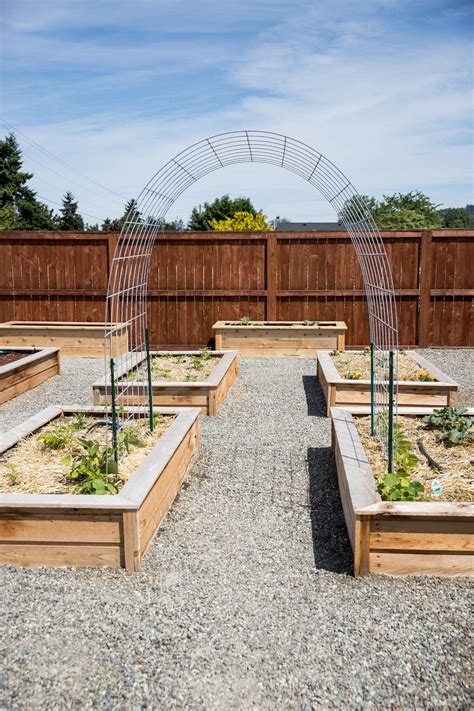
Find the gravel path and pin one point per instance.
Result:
(245, 600)
(459, 365)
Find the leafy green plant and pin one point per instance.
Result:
(89, 469)
(398, 485)
(180, 359)
(309, 323)
(244, 321)
(129, 438)
(206, 353)
(453, 422)
(79, 421)
(57, 437)
(425, 377)
(13, 474)
(190, 378)
(197, 363)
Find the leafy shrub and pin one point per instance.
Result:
(453, 422)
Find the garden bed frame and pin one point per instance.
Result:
(397, 538)
(79, 339)
(279, 338)
(342, 392)
(97, 531)
(207, 394)
(26, 373)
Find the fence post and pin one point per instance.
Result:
(271, 257)
(424, 318)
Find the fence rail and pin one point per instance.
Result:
(198, 278)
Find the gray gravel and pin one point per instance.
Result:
(459, 365)
(72, 387)
(246, 598)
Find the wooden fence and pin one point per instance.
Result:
(199, 278)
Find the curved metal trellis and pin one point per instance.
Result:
(130, 268)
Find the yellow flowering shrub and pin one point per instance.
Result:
(242, 222)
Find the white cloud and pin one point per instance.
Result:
(387, 103)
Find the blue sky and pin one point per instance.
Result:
(383, 88)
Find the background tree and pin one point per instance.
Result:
(69, 218)
(242, 222)
(395, 212)
(130, 214)
(220, 209)
(455, 217)
(355, 208)
(409, 210)
(19, 208)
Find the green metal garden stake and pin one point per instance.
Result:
(114, 411)
(148, 366)
(372, 390)
(390, 413)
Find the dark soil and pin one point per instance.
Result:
(11, 356)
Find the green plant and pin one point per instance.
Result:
(206, 353)
(129, 438)
(91, 470)
(309, 323)
(424, 376)
(57, 437)
(157, 416)
(353, 375)
(13, 474)
(180, 359)
(453, 422)
(197, 363)
(190, 377)
(79, 421)
(244, 321)
(398, 485)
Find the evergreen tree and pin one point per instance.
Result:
(69, 218)
(220, 209)
(19, 208)
(455, 217)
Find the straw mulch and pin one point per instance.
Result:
(456, 462)
(179, 369)
(349, 361)
(37, 470)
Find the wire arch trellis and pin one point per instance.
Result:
(131, 263)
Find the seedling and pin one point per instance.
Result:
(13, 474)
(244, 321)
(57, 437)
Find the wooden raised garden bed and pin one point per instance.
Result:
(206, 391)
(394, 537)
(279, 338)
(62, 529)
(344, 392)
(74, 339)
(25, 369)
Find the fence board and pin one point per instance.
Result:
(199, 278)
